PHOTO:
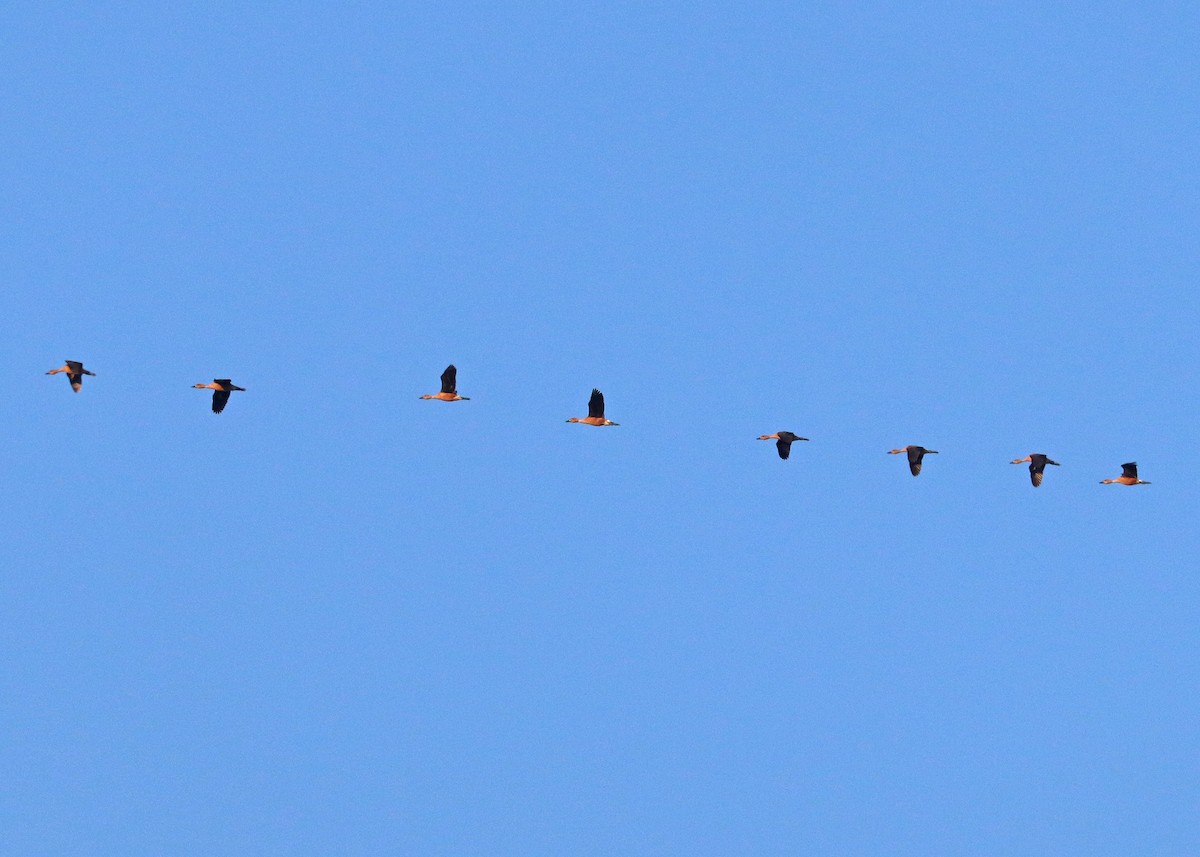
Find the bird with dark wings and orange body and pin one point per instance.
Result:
(1128, 476)
(783, 441)
(595, 415)
(221, 388)
(1037, 466)
(915, 454)
(74, 371)
(449, 391)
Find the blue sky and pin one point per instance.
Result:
(337, 619)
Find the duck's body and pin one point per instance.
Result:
(221, 388)
(449, 391)
(595, 415)
(1037, 464)
(783, 441)
(915, 454)
(1128, 476)
(74, 371)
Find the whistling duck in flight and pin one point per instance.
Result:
(449, 387)
(75, 373)
(1128, 476)
(595, 415)
(221, 388)
(784, 441)
(915, 454)
(1037, 463)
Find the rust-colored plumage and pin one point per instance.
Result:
(915, 454)
(74, 371)
(449, 392)
(595, 415)
(783, 441)
(1128, 476)
(1037, 464)
(221, 388)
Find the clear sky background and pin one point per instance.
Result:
(339, 620)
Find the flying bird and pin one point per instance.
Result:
(75, 373)
(449, 391)
(915, 454)
(1037, 464)
(784, 441)
(1128, 476)
(221, 388)
(595, 415)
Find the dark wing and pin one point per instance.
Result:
(784, 447)
(220, 397)
(76, 380)
(596, 404)
(224, 382)
(75, 366)
(1129, 469)
(450, 380)
(1037, 464)
(915, 454)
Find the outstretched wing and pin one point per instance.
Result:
(76, 380)
(915, 454)
(784, 447)
(1037, 464)
(596, 404)
(1129, 469)
(450, 380)
(220, 397)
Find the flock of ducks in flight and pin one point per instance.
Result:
(223, 387)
